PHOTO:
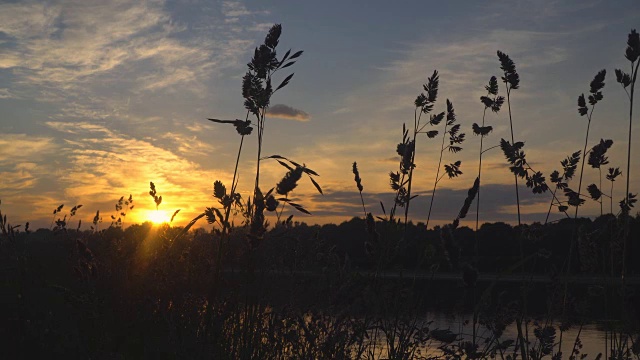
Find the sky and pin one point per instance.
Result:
(98, 98)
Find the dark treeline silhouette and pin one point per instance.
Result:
(451, 249)
(299, 246)
(137, 289)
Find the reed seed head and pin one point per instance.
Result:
(357, 178)
(289, 181)
(613, 173)
(633, 46)
(507, 65)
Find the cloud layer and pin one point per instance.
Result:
(287, 112)
(99, 98)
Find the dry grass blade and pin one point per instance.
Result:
(174, 215)
(188, 227)
(471, 195)
(316, 185)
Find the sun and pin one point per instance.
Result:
(157, 216)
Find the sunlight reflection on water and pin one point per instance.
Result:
(592, 339)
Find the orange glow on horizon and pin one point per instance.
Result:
(156, 216)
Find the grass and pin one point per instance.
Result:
(253, 290)
(632, 54)
(494, 102)
(596, 95)
(511, 80)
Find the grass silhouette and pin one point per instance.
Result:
(494, 102)
(632, 54)
(360, 289)
(511, 81)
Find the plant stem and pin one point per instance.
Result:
(512, 142)
(260, 132)
(575, 217)
(233, 188)
(514, 175)
(261, 118)
(601, 200)
(484, 113)
(392, 212)
(584, 155)
(416, 123)
(546, 220)
(611, 197)
(435, 183)
(626, 193)
(363, 208)
(286, 196)
(227, 212)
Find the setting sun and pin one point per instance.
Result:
(157, 216)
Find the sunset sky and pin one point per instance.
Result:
(97, 98)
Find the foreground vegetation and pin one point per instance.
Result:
(360, 289)
(311, 292)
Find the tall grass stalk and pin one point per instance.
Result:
(228, 205)
(234, 183)
(611, 176)
(256, 91)
(358, 180)
(424, 105)
(632, 54)
(451, 170)
(401, 181)
(55, 211)
(243, 128)
(601, 200)
(257, 88)
(511, 81)
(596, 95)
(494, 102)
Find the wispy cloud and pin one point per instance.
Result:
(90, 54)
(6, 94)
(65, 43)
(23, 166)
(197, 127)
(21, 177)
(19, 148)
(189, 145)
(234, 9)
(105, 164)
(287, 112)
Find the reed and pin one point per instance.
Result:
(597, 84)
(494, 102)
(628, 80)
(401, 181)
(511, 80)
